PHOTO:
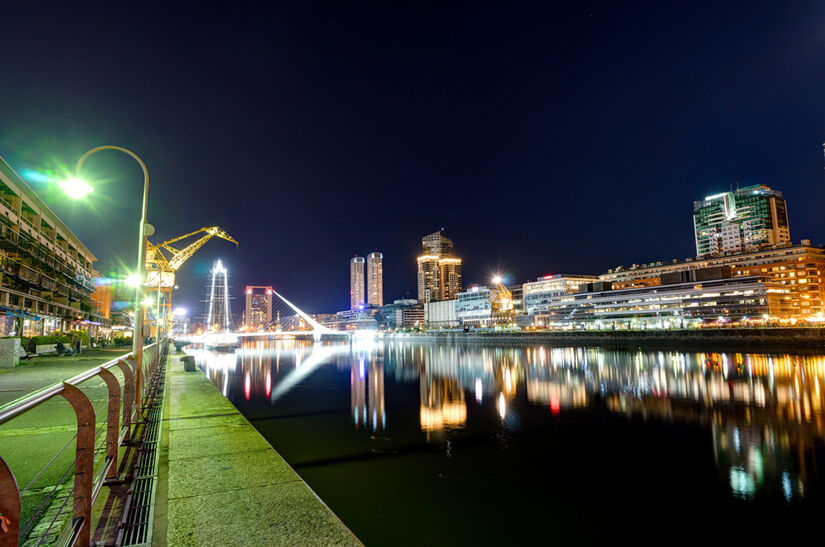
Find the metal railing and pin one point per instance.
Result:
(123, 416)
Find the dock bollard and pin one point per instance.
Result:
(188, 363)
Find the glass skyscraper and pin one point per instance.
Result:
(742, 220)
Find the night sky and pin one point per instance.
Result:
(544, 137)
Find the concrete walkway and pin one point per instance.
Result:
(221, 483)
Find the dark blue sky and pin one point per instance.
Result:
(545, 137)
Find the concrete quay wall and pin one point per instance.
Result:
(796, 338)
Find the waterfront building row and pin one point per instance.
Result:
(681, 299)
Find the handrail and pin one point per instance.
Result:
(118, 421)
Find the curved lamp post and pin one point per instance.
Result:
(78, 188)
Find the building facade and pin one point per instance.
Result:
(258, 311)
(669, 305)
(441, 314)
(742, 220)
(473, 307)
(800, 268)
(439, 270)
(537, 295)
(401, 313)
(356, 282)
(375, 279)
(46, 276)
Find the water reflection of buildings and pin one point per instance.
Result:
(442, 403)
(764, 412)
(367, 397)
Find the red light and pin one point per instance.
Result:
(269, 291)
(248, 291)
(549, 276)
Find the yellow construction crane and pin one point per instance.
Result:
(162, 260)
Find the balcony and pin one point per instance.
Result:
(28, 226)
(7, 210)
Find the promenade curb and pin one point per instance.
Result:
(222, 483)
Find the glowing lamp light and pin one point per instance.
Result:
(496, 279)
(147, 302)
(76, 188)
(134, 280)
(180, 311)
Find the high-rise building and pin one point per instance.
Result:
(742, 220)
(258, 311)
(356, 282)
(375, 279)
(439, 270)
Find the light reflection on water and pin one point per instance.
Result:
(764, 411)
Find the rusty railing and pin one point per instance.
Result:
(125, 405)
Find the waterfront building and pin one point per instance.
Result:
(742, 220)
(681, 300)
(46, 275)
(440, 314)
(439, 270)
(473, 307)
(403, 313)
(538, 294)
(258, 311)
(517, 293)
(375, 279)
(363, 318)
(356, 282)
(800, 268)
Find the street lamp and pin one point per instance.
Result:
(77, 188)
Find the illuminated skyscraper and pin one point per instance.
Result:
(258, 311)
(356, 282)
(439, 270)
(744, 220)
(375, 279)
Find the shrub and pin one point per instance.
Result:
(121, 341)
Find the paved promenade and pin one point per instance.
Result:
(30, 441)
(221, 483)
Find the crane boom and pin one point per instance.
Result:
(159, 260)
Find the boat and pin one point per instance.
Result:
(220, 341)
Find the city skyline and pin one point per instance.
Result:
(563, 146)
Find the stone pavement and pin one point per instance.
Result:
(221, 483)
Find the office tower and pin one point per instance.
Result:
(375, 279)
(439, 270)
(742, 220)
(356, 282)
(258, 312)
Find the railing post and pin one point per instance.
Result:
(84, 465)
(128, 396)
(9, 507)
(112, 421)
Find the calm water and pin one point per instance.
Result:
(428, 444)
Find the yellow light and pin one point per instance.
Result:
(76, 188)
(496, 279)
(148, 301)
